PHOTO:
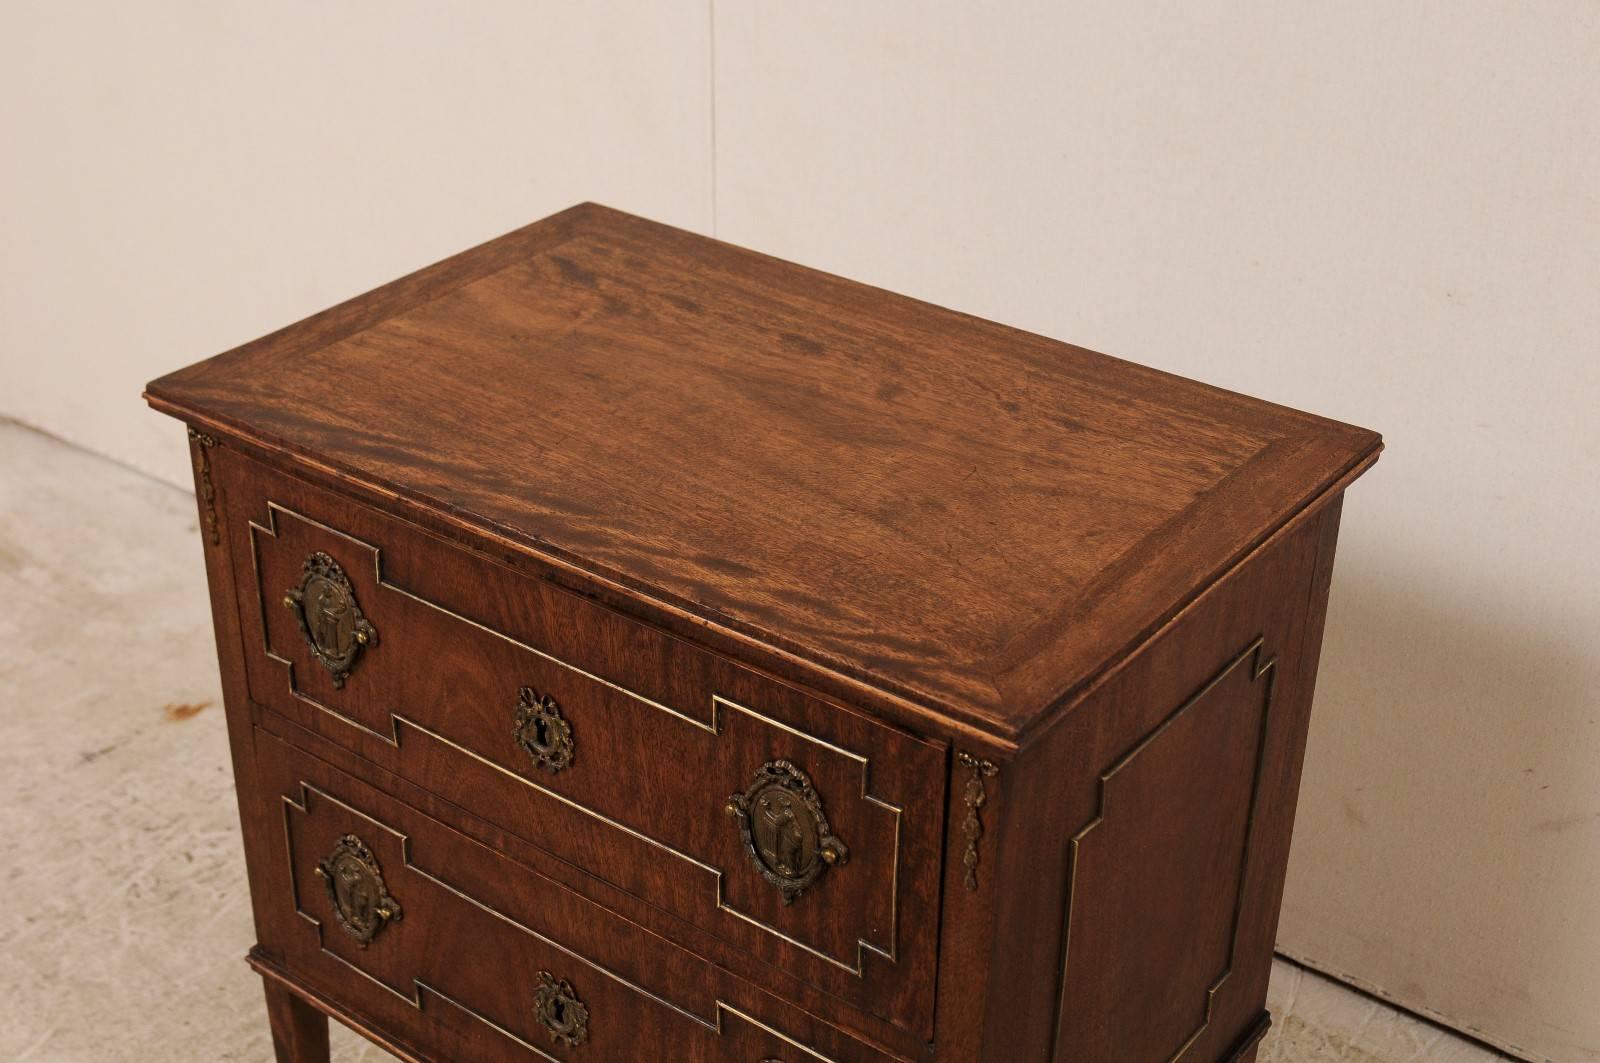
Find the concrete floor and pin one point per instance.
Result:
(125, 917)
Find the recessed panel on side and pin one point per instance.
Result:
(1166, 850)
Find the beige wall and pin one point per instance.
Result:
(180, 177)
(1389, 213)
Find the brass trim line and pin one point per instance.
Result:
(714, 1024)
(1260, 667)
(274, 508)
(862, 944)
(718, 704)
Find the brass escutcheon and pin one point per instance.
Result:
(324, 605)
(355, 888)
(560, 1011)
(784, 830)
(542, 731)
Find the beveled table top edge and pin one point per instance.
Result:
(1004, 695)
(1006, 723)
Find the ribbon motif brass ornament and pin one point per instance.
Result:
(325, 607)
(560, 1011)
(543, 731)
(784, 831)
(208, 491)
(976, 797)
(355, 887)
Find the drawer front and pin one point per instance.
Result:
(799, 831)
(452, 947)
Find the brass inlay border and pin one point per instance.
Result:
(1260, 667)
(718, 704)
(862, 944)
(274, 508)
(302, 806)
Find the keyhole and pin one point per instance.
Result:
(558, 1013)
(541, 734)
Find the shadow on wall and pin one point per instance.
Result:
(1451, 743)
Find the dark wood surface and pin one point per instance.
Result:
(961, 514)
(657, 477)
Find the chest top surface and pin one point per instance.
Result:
(961, 514)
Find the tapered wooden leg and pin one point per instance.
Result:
(299, 1031)
(1249, 1047)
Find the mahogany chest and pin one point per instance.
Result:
(639, 648)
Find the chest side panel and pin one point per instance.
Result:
(1143, 841)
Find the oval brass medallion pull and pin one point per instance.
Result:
(560, 1011)
(784, 831)
(355, 888)
(543, 731)
(324, 605)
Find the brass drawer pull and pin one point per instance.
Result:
(355, 888)
(560, 1011)
(324, 605)
(542, 731)
(784, 831)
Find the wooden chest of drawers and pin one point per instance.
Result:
(638, 648)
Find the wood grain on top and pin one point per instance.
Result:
(958, 513)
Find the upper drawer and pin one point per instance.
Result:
(798, 830)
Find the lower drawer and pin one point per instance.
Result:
(445, 944)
